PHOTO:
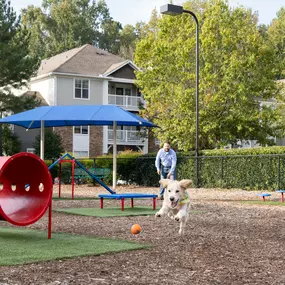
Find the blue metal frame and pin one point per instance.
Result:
(85, 169)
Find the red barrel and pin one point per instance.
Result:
(25, 188)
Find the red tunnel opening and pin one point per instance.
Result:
(25, 188)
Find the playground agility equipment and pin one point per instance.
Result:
(113, 195)
(25, 189)
(68, 158)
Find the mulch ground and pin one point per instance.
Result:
(226, 242)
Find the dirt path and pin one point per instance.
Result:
(227, 242)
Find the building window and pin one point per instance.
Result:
(31, 150)
(80, 153)
(157, 142)
(128, 91)
(81, 130)
(123, 91)
(81, 89)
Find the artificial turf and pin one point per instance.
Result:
(261, 202)
(22, 245)
(109, 211)
(75, 198)
(113, 212)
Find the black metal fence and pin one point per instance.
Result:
(240, 171)
(250, 172)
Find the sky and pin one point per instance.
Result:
(132, 11)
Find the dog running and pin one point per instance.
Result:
(176, 202)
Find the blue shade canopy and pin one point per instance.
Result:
(60, 116)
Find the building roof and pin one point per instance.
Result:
(84, 60)
(116, 66)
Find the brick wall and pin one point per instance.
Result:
(96, 141)
(66, 134)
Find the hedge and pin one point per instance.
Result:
(125, 167)
(254, 168)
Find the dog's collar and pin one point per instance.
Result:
(185, 200)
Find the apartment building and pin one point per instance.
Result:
(89, 76)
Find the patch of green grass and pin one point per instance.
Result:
(22, 245)
(75, 198)
(261, 202)
(109, 211)
(112, 212)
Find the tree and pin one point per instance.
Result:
(275, 38)
(53, 145)
(36, 22)
(11, 143)
(61, 25)
(129, 36)
(276, 34)
(236, 73)
(17, 65)
(109, 38)
(58, 26)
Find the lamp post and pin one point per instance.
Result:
(175, 10)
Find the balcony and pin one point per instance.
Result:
(127, 102)
(126, 137)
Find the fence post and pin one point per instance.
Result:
(199, 165)
(222, 168)
(278, 183)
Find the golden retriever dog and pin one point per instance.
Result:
(176, 202)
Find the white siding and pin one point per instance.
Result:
(96, 91)
(60, 90)
(46, 87)
(65, 92)
(105, 93)
(81, 142)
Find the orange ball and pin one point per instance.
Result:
(136, 229)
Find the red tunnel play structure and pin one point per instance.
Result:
(25, 189)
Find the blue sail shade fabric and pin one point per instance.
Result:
(59, 116)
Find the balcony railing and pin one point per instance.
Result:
(127, 102)
(126, 136)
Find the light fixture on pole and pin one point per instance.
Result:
(174, 10)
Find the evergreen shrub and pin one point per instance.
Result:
(252, 169)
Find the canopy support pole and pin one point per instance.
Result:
(114, 154)
(42, 146)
